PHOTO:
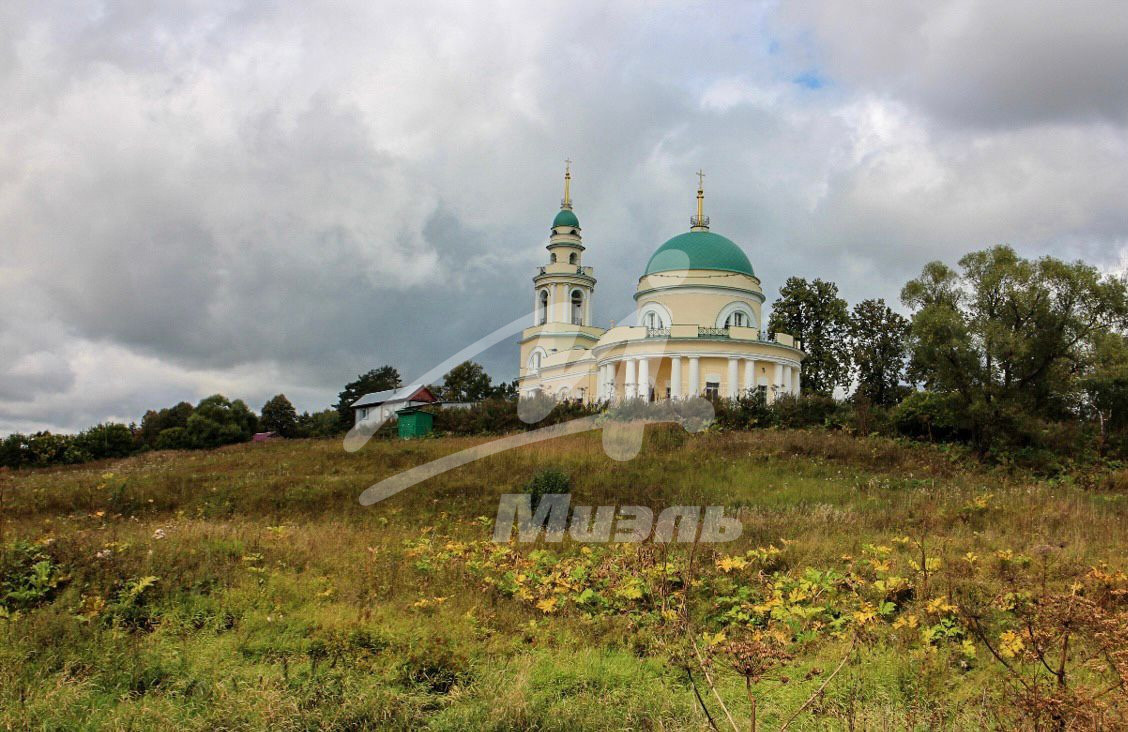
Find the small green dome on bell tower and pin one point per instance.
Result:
(566, 217)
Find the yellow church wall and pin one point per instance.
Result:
(698, 298)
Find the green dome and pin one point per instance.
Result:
(700, 250)
(566, 218)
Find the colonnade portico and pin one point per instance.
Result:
(633, 377)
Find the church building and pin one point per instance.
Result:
(697, 324)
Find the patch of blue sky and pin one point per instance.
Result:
(810, 79)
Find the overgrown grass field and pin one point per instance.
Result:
(876, 585)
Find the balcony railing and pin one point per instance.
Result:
(712, 332)
(657, 332)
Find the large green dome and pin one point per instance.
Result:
(699, 250)
(566, 218)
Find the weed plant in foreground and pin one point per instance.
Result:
(876, 585)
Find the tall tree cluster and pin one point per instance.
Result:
(819, 320)
(1009, 336)
(1000, 345)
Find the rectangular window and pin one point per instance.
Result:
(712, 389)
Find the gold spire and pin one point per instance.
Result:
(566, 202)
(700, 221)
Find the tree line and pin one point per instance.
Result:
(216, 420)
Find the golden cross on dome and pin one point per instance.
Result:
(700, 221)
(566, 202)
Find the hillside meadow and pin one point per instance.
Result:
(876, 585)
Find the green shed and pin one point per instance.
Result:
(414, 423)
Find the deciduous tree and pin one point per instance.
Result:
(279, 415)
(817, 317)
(878, 343)
(385, 377)
(466, 382)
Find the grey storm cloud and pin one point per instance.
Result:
(998, 64)
(254, 198)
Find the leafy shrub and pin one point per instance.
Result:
(747, 411)
(807, 410)
(498, 416)
(325, 423)
(173, 438)
(435, 667)
(549, 480)
(131, 607)
(28, 576)
(109, 440)
(927, 414)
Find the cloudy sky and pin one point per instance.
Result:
(263, 197)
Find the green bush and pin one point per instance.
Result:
(549, 480)
(809, 410)
(748, 411)
(173, 438)
(927, 414)
(109, 440)
(29, 576)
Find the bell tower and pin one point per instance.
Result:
(563, 287)
(562, 291)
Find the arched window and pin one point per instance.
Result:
(654, 316)
(535, 361)
(552, 259)
(577, 307)
(572, 258)
(736, 315)
(542, 308)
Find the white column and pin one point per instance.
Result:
(733, 377)
(675, 377)
(644, 379)
(777, 380)
(601, 381)
(630, 386)
(749, 374)
(786, 379)
(795, 381)
(694, 376)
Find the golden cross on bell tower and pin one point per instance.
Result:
(566, 202)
